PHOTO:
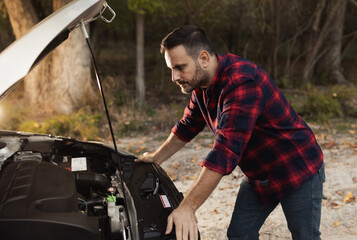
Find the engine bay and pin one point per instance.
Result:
(67, 189)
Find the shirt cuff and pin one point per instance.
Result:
(220, 159)
(179, 135)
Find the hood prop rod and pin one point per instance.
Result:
(99, 82)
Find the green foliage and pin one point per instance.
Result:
(296, 99)
(245, 27)
(129, 127)
(9, 118)
(120, 98)
(131, 120)
(3, 12)
(343, 93)
(338, 101)
(324, 104)
(142, 5)
(80, 125)
(352, 111)
(284, 82)
(128, 120)
(6, 36)
(346, 95)
(321, 107)
(341, 126)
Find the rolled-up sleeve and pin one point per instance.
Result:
(191, 123)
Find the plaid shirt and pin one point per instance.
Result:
(255, 127)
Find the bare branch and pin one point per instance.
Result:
(353, 37)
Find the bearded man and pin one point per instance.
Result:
(255, 128)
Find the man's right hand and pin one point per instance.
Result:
(185, 223)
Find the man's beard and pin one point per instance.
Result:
(201, 78)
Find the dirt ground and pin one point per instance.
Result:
(339, 208)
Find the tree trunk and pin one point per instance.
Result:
(22, 17)
(140, 71)
(331, 62)
(316, 48)
(315, 29)
(70, 71)
(275, 19)
(61, 82)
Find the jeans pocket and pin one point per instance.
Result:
(322, 173)
(322, 177)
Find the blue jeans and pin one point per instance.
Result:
(302, 210)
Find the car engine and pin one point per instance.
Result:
(59, 188)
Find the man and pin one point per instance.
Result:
(255, 128)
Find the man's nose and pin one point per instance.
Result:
(175, 76)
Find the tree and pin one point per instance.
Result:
(325, 42)
(61, 82)
(140, 58)
(139, 7)
(6, 36)
(331, 61)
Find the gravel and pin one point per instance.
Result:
(339, 208)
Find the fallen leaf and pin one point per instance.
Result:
(320, 137)
(349, 198)
(331, 144)
(339, 192)
(176, 165)
(336, 224)
(184, 177)
(350, 232)
(171, 175)
(225, 187)
(194, 159)
(334, 205)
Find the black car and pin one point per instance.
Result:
(60, 188)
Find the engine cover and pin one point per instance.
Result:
(39, 200)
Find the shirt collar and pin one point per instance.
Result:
(217, 76)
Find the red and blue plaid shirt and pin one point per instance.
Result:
(255, 127)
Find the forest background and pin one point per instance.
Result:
(308, 47)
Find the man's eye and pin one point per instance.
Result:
(180, 68)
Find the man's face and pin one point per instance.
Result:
(186, 72)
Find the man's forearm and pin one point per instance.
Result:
(202, 188)
(168, 148)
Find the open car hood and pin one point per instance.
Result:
(21, 56)
(61, 188)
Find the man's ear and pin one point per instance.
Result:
(204, 58)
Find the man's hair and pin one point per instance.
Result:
(193, 38)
